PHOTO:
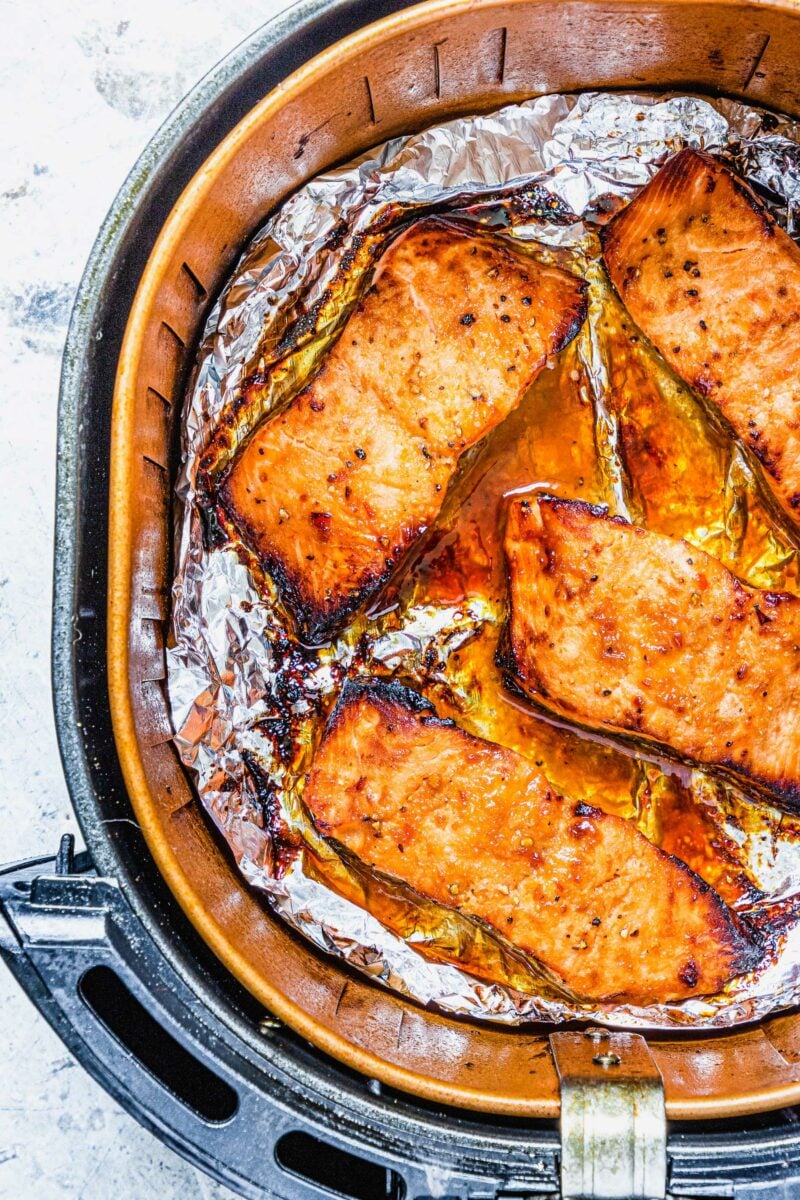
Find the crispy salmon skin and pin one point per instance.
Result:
(632, 631)
(473, 825)
(714, 282)
(332, 492)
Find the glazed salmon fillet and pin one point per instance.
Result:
(472, 825)
(332, 492)
(632, 631)
(714, 283)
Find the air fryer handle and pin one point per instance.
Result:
(130, 1018)
(70, 940)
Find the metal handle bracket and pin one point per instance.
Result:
(613, 1117)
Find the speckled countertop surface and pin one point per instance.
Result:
(82, 88)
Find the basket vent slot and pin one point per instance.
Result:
(194, 280)
(501, 69)
(336, 1170)
(161, 1055)
(370, 101)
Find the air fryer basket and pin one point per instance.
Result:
(106, 953)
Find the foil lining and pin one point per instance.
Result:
(547, 170)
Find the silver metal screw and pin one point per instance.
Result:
(607, 1059)
(595, 1034)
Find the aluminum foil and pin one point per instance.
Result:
(547, 171)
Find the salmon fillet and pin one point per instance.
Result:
(474, 826)
(714, 282)
(633, 631)
(332, 492)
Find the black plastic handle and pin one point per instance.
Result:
(70, 942)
